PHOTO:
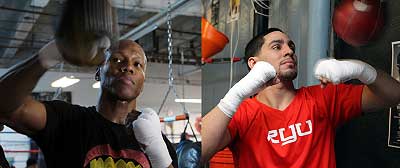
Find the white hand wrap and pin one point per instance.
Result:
(249, 85)
(49, 55)
(341, 71)
(147, 130)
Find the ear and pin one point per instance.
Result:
(252, 61)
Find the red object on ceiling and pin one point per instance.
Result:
(212, 41)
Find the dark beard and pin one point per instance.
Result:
(287, 76)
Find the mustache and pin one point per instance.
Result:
(288, 60)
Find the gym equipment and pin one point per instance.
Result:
(188, 152)
(212, 41)
(221, 60)
(87, 28)
(175, 118)
(358, 21)
(170, 75)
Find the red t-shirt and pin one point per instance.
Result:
(302, 135)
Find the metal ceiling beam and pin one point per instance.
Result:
(26, 22)
(24, 40)
(26, 11)
(15, 30)
(155, 21)
(180, 31)
(155, 6)
(163, 29)
(30, 47)
(23, 26)
(176, 59)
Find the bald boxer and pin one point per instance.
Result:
(112, 133)
(281, 126)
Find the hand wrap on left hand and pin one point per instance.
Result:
(341, 71)
(147, 130)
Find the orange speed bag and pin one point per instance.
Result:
(212, 41)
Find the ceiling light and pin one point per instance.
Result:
(39, 3)
(188, 100)
(64, 82)
(96, 85)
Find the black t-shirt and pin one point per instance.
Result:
(76, 136)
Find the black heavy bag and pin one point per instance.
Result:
(86, 29)
(189, 153)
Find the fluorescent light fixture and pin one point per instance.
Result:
(39, 3)
(96, 85)
(188, 100)
(64, 82)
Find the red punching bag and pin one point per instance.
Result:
(358, 21)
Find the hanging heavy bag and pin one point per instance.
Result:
(188, 152)
(86, 29)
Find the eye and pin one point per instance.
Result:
(137, 64)
(293, 47)
(116, 60)
(276, 47)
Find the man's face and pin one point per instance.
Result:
(279, 50)
(123, 73)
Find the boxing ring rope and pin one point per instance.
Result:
(22, 151)
(179, 118)
(175, 118)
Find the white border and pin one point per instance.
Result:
(394, 64)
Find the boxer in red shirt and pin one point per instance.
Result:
(281, 126)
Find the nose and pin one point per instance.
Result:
(127, 67)
(288, 51)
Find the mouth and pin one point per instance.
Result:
(288, 61)
(126, 80)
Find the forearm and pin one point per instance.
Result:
(17, 84)
(380, 89)
(384, 92)
(214, 128)
(214, 133)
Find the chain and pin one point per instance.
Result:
(170, 77)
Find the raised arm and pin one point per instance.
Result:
(383, 92)
(18, 109)
(214, 132)
(380, 89)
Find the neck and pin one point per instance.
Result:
(277, 96)
(115, 110)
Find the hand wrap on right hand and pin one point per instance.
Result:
(147, 130)
(249, 85)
